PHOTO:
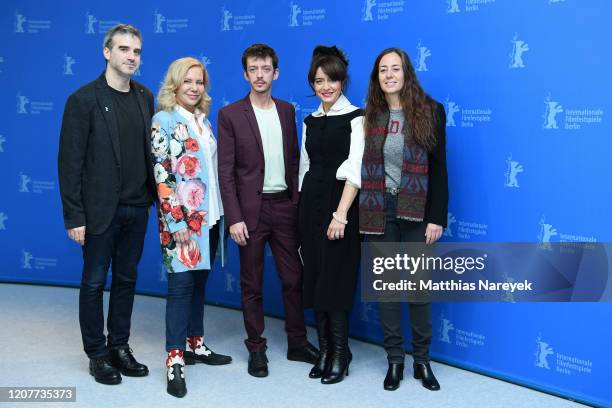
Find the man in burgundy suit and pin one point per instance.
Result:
(258, 174)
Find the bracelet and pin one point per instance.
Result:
(335, 217)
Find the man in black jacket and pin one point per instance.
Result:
(107, 187)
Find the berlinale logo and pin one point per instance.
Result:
(445, 327)
(294, 11)
(512, 170)
(230, 282)
(452, 6)
(423, 54)
(369, 314)
(366, 14)
(226, 16)
(519, 47)
(553, 108)
(450, 220)
(451, 109)
(90, 20)
(26, 259)
(22, 103)
(24, 182)
(158, 24)
(205, 60)
(68, 63)
(3, 218)
(543, 350)
(547, 231)
(20, 20)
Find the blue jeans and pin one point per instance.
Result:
(120, 246)
(185, 301)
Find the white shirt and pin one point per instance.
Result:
(208, 145)
(350, 169)
(271, 133)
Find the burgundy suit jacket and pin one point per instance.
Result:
(241, 159)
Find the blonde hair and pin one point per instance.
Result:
(166, 98)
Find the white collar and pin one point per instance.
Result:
(188, 115)
(338, 106)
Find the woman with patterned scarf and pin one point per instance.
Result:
(404, 192)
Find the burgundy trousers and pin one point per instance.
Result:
(278, 227)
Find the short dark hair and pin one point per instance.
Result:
(120, 29)
(259, 51)
(332, 61)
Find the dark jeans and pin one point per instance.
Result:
(120, 246)
(185, 300)
(397, 230)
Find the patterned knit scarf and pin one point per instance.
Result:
(413, 183)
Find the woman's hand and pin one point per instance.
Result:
(336, 228)
(433, 232)
(181, 236)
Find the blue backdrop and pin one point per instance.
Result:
(526, 87)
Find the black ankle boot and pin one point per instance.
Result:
(322, 321)
(175, 365)
(395, 374)
(422, 371)
(340, 355)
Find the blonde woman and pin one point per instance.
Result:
(184, 153)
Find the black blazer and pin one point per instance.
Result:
(436, 207)
(89, 165)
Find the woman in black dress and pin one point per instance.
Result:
(405, 194)
(330, 177)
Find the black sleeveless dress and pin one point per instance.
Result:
(330, 266)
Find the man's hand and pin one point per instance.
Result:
(77, 234)
(239, 233)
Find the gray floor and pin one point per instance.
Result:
(40, 337)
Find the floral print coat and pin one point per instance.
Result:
(182, 189)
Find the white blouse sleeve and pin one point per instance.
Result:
(350, 169)
(304, 159)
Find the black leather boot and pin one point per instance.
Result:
(340, 355)
(422, 371)
(395, 374)
(123, 360)
(103, 372)
(175, 365)
(197, 352)
(322, 321)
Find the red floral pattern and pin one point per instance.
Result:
(192, 145)
(166, 207)
(188, 166)
(189, 254)
(177, 212)
(195, 220)
(179, 165)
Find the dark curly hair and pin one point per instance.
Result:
(259, 51)
(418, 106)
